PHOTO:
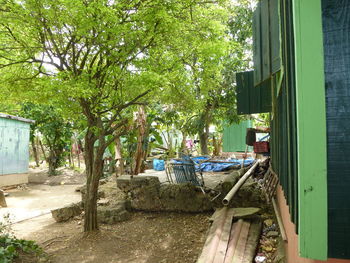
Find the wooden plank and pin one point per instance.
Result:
(235, 232)
(215, 231)
(241, 245)
(252, 242)
(224, 238)
(311, 117)
(279, 220)
(216, 214)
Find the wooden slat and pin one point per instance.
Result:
(216, 214)
(224, 238)
(235, 232)
(211, 244)
(241, 245)
(252, 242)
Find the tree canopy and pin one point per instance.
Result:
(100, 60)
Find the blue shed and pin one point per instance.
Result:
(14, 149)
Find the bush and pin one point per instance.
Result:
(11, 247)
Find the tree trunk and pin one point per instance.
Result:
(217, 143)
(204, 131)
(72, 154)
(183, 148)
(70, 159)
(35, 151)
(78, 156)
(42, 149)
(94, 171)
(119, 157)
(51, 161)
(203, 140)
(139, 154)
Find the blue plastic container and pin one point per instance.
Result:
(158, 165)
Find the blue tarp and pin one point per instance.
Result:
(218, 167)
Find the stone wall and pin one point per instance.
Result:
(147, 194)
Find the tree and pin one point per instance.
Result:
(215, 82)
(57, 131)
(97, 58)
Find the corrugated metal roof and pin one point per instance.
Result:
(16, 118)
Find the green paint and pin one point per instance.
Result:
(234, 137)
(311, 122)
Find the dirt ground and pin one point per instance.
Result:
(64, 176)
(34, 200)
(147, 237)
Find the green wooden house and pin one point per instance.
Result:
(14, 149)
(302, 56)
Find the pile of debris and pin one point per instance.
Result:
(232, 239)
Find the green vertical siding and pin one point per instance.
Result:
(234, 137)
(283, 123)
(336, 39)
(14, 146)
(311, 129)
(251, 99)
(266, 45)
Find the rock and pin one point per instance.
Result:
(103, 181)
(2, 199)
(272, 234)
(82, 190)
(142, 191)
(147, 194)
(67, 212)
(268, 222)
(129, 183)
(184, 198)
(111, 215)
(103, 202)
(245, 212)
(280, 254)
(249, 195)
(79, 188)
(228, 182)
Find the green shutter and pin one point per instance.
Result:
(251, 99)
(257, 46)
(266, 40)
(265, 36)
(275, 36)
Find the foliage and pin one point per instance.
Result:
(102, 59)
(11, 247)
(57, 131)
